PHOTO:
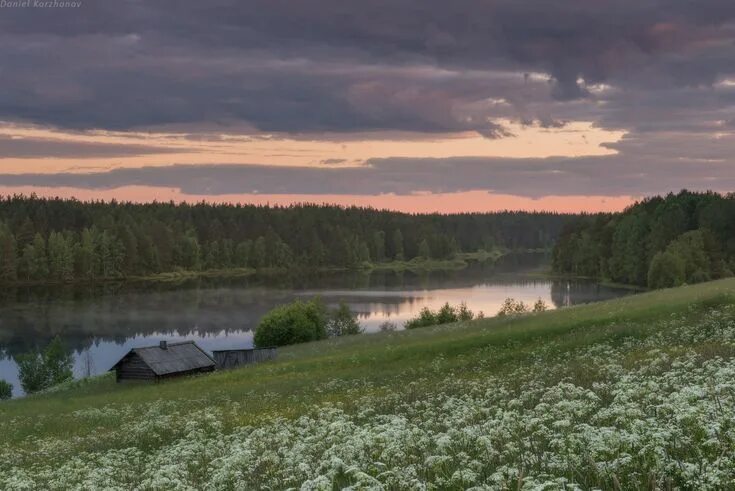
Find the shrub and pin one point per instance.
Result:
(6, 390)
(38, 371)
(58, 363)
(343, 322)
(540, 306)
(464, 314)
(387, 326)
(297, 322)
(699, 276)
(445, 315)
(667, 270)
(425, 318)
(31, 372)
(511, 306)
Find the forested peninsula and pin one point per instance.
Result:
(62, 240)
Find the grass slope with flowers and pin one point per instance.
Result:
(633, 393)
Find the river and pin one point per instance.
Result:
(101, 323)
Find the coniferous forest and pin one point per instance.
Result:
(659, 242)
(58, 240)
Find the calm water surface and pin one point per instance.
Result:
(100, 324)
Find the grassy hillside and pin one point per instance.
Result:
(632, 393)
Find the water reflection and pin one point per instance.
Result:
(101, 323)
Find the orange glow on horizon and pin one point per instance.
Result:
(465, 202)
(573, 140)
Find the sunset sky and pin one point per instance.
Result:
(415, 105)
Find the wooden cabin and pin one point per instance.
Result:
(232, 358)
(163, 361)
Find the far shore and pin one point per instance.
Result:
(418, 264)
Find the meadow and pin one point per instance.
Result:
(633, 393)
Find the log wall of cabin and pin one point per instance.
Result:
(134, 368)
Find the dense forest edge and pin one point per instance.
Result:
(53, 240)
(658, 242)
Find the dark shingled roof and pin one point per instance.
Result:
(178, 357)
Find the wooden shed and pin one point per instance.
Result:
(163, 361)
(232, 358)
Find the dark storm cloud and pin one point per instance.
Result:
(41, 148)
(607, 176)
(331, 65)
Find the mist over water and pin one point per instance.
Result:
(101, 323)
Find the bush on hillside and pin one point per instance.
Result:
(387, 326)
(511, 306)
(540, 306)
(297, 322)
(667, 270)
(343, 322)
(301, 322)
(6, 390)
(445, 315)
(425, 318)
(463, 313)
(38, 371)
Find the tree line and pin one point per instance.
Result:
(658, 242)
(58, 240)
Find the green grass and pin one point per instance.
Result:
(342, 372)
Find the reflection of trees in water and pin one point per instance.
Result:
(560, 294)
(298, 280)
(116, 319)
(565, 293)
(367, 310)
(515, 263)
(114, 312)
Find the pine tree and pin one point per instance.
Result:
(148, 255)
(379, 246)
(227, 253)
(258, 254)
(424, 251)
(190, 252)
(363, 252)
(317, 254)
(35, 259)
(84, 256)
(25, 233)
(131, 261)
(8, 256)
(212, 255)
(242, 254)
(60, 257)
(398, 245)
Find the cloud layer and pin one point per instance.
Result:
(48, 147)
(662, 70)
(533, 178)
(419, 65)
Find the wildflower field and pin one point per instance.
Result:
(634, 393)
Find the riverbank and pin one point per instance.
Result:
(421, 406)
(417, 264)
(420, 264)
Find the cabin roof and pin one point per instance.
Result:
(177, 357)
